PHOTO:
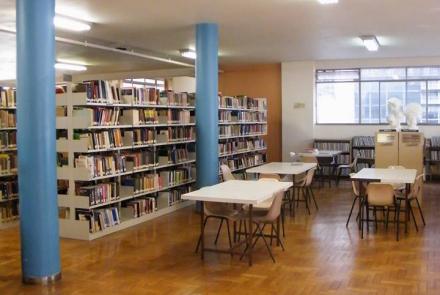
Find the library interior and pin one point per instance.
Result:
(219, 147)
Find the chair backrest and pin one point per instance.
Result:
(227, 173)
(325, 161)
(353, 185)
(354, 163)
(396, 167)
(417, 186)
(380, 194)
(309, 177)
(267, 176)
(275, 209)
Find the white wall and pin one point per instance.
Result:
(298, 87)
(183, 84)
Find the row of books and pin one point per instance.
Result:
(98, 165)
(140, 160)
(152, 96)
(435, 141)
(240, 145)
(363, 141)
(363, 154)
(240, 116)
(8, 189)
(343, 146)
(242, 102)
(435, 155)
(98, 116)
(100, 193)
(243, 162)
(172, 134)
(174, 155)
(99, 219)
(7, 97)
(102, 139)
(8, 119)
(141, 136)
(8, 139)
(138, 207)
(150, 116)
(8, 211)
(8, 163)
(238, 130)
(174, 196)
(103, 91)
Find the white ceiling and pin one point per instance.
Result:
(251, 31)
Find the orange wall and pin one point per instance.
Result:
(258, 81)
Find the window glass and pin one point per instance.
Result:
(416, 93)
(370, 102)
(424, 73)
(433, 93)
(337, 103)
(337, 75)
(383, 74)
(389, 90)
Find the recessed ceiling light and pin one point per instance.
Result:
(188, 53)
(328, 1)
(370, 42)
(70, 24)
(70, 67)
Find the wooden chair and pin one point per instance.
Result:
(350, 167)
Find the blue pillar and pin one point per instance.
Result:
(207, 103)
(40, 253)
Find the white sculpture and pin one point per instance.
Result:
(395, 113)
(413, 112)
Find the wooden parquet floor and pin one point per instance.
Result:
(322, 257)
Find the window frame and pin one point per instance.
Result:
(380, 81)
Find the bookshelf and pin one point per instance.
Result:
(242, 125)
(363, 148)
(9, 200)
(125, 155)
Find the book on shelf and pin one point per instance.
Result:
(98, 116)
(139, 117)
(100, 139)
(8, 190)
(7, 119)
(142, 182)
(99, 219)
(98, 166)
(242, 102)
(8, 163)
(176, 176)
(173, 134)
(240, 130)
(8, 139)
(240, 145)
(8, 212)
(140, 160)
(7, 97)
(173, 116)
(138, 207)
(100, 193)
(139, 136)
(140, 96)
(244, 161)
(171, 197)
(363, 141)
(171, 98)
(173, 155)
(101, 91)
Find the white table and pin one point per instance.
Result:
(236, 192)
(386, 175)
(285, 168)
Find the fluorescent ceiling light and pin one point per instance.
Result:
(370, 42)
(188, 53)
(328, 1)
(70, 67)
(70, 24)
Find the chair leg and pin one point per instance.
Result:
(414, 218)
(351, 211)
(375, 218)
(387, 218)
(229, 237)
(421, 212)
(398, 221)
(313, 197)
(271, 235)
(218, 231)
(305, 196)
(278, 238)
(200, 237)
(338, 176)
(367, 211)
(283, 211)
(239, 230)
(361, 215)
(265, 242)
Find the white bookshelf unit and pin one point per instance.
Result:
(9, 201)
(125, 155)
(242, 125)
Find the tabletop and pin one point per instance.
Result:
(238, 192)
(288, 168)
(406, 176)
(320, 153)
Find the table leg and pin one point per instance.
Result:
(361, 198)
(407, 208)
(251, 235)
(202, 230)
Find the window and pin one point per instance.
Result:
(360, 96)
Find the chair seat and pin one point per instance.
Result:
(264, 206)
